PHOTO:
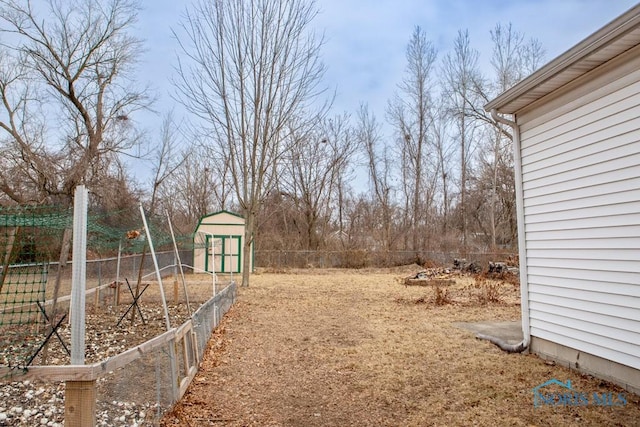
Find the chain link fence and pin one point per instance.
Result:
(209, 315)
(366, 258)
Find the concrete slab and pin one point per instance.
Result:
(510, 332)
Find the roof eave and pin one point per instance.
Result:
(615, 29)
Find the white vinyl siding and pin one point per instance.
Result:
(581, 183)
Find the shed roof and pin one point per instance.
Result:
(223, 211)
(204, 220)
(620, 35)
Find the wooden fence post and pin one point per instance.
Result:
(96, 297)
(80, 396)
(80, 403)
(173, 368)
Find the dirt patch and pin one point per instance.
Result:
(341, 348)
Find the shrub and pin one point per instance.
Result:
(442, 297)
(488, 291)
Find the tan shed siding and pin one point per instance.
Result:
(581, 182)
(221, 225)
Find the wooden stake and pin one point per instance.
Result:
(117, 294)
(96, 298)
(175, 290)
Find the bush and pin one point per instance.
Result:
(488, 291)
(355, 258)
(442, 297)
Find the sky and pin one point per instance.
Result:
(365, 40)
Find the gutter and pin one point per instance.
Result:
(522, 253)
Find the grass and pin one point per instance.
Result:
(356, 347)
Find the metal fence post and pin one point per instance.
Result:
(80, 396)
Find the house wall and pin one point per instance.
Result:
(580, 152)
(625, 376)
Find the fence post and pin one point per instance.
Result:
(155, 263)
(116, 290)
(80, 403)
(96, 300)
(80, 396)
(79, 275)
(173, 367)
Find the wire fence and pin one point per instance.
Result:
(139, 351)
(369, 258)
(143, 390)
(134, 386)
(106, 284)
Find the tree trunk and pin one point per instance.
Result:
(494, 189)
(247, 254)
(463, 180)
(7, 255)
(62, 262)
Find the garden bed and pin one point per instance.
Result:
(131, 392)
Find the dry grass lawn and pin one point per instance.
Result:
(358, 348)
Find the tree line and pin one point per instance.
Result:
(261, 137)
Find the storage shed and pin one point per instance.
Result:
(576, 129)
(218, 241)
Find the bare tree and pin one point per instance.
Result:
(74, 65)
(379, 169)
(409, 114)
(249, 70)
(314, 172)
(444, 149)
(166, 160)
(460, 72)
(168, 157)
(80, 59)
(196, 188)
(494, 191)
(513, 59)
(27, 165)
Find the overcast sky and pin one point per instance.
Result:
(366, 39)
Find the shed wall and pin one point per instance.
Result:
(219, 246)
(581, 183)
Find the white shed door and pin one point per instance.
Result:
(581, 182)
(224, 254)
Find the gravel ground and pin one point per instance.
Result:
(29, 403)
(32, 403)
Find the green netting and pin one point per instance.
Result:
(22, 289)
(29, 238)
(109, 231)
